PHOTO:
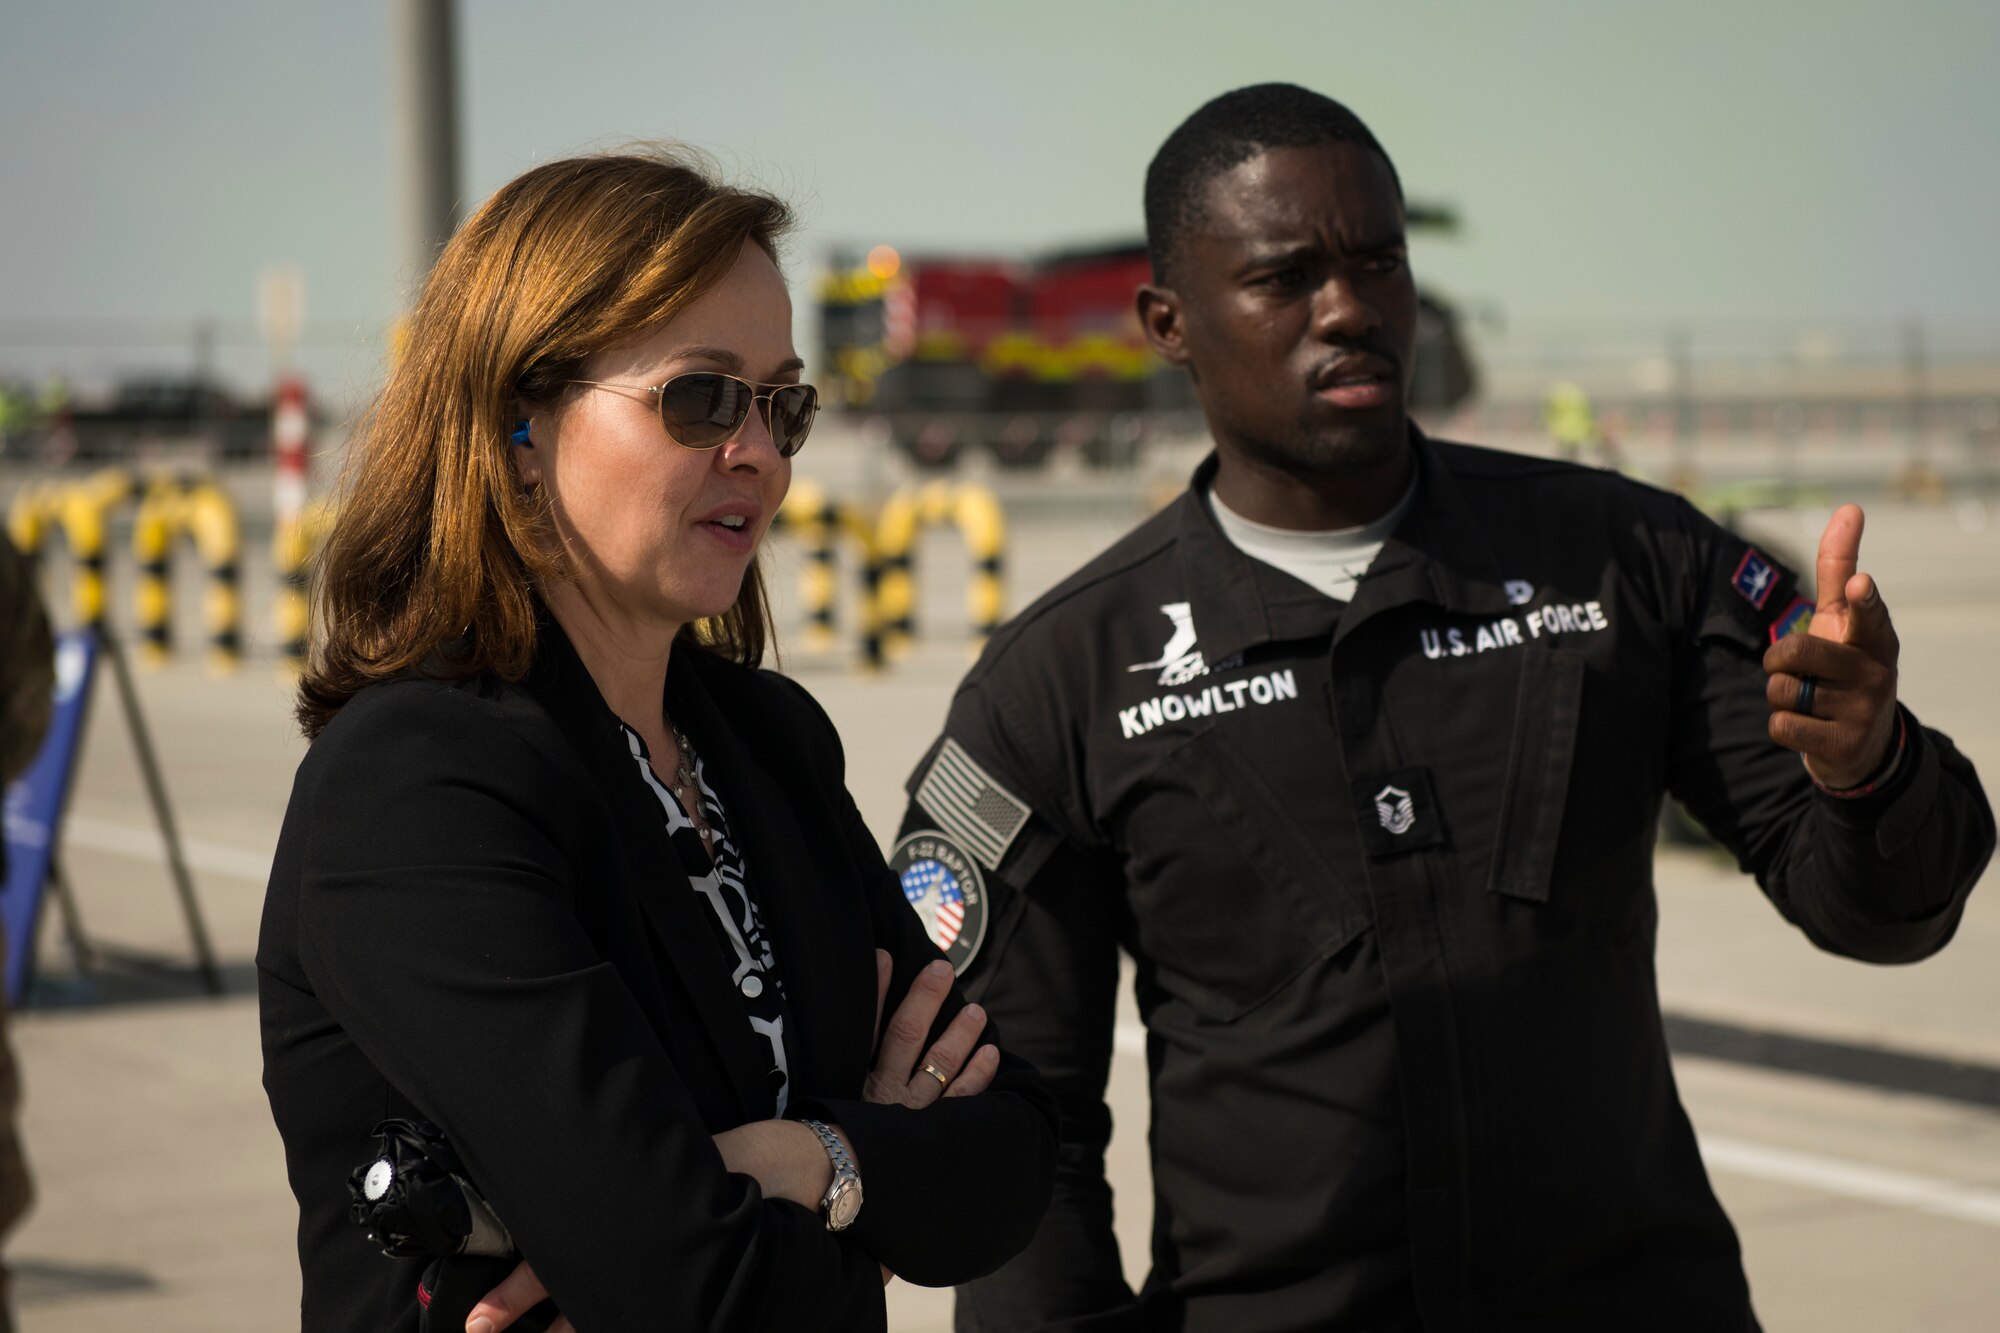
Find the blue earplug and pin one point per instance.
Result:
(520, 435)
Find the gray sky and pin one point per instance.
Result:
(1629, 163)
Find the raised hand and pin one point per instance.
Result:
(1832, 690)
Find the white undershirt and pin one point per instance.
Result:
(1332, 562)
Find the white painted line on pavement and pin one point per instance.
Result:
(1829, 1175)
(145, 844)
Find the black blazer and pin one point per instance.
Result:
(476, 913)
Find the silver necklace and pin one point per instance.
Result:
(685, 789)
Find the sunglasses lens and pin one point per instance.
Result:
(792, 409)
(703, 410)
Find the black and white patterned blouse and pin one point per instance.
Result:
(724, 883)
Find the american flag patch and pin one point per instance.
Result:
(969, 805)
(928, 884)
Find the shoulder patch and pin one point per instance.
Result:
(1754, 578)
(970, 806)
(1794, 619)
(943, 886)
(1753, 593)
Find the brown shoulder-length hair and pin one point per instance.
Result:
(436, 550)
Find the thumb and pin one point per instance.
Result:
(1839, 557)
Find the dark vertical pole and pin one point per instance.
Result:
(427, 116)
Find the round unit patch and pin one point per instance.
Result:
(944, 888)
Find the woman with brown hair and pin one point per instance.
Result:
(563, 872)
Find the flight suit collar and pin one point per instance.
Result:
(1437, 554)
(1239, 602)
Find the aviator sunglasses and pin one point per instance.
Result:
(704, 409)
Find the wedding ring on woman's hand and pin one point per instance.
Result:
(1804, 703)
(938, 1074)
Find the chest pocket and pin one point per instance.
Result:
(1232, 898)
(1547, 713)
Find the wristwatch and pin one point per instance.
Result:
(842, 1203)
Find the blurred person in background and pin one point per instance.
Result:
(563, 872)
(15, 410)
(27, 699)
(1359, 749)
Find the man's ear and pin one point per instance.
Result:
(1161, 318)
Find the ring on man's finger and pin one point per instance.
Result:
(939, 1075)
(1807, 687)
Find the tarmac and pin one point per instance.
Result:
(1862, 1207)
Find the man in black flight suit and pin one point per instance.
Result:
(1359, 748)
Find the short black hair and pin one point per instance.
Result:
(1227, 132)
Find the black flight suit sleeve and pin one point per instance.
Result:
(954, 1190)
(1048, 975)
(1884, 877)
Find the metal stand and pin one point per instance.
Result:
(89, 954)
(79, 944)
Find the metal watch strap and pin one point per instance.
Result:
(845, 1177)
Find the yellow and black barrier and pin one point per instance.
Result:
(854, 525)
(198, 513)
(201, 513)
(293, 546)
(976, 514)
(815, 521)
(980, 520)
(169, 510)
(31, 516)
(81, 512)
(820, 524)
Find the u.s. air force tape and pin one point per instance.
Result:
(944, 887)
(970, 805)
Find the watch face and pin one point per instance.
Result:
(845, 1205)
